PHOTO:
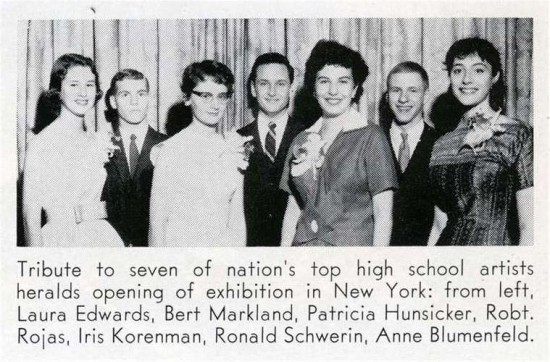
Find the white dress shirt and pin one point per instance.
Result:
(414, 132)
(140, 133)
(263, 128)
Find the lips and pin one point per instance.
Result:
(333, 101)
(82, 102)
(468, 90)
(404, 109)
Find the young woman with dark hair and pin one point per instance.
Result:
(482, 171)
(340, 172)
(65, 164)
(197, 194)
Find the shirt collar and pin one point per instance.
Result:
(354, 120)
(139, 132)
(280, 120)
(413, 132)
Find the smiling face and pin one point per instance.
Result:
(471, 80)
(272, 88)
(334, 90)
(131, 100)
(78, 90)
(406, 93)
(208, 102)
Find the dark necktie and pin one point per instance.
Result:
(134, 154)
(270, 143)
(404, 152)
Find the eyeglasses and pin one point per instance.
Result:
(209, 97)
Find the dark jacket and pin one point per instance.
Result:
(264, 202)
(413, 207)
(127, 196)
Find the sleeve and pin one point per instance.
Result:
(160, 200)
(379, 162)
(523, 166)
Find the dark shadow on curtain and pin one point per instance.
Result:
(179, 117)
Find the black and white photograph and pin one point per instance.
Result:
(275, 132)
(165, 164)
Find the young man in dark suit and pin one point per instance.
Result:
(269, 86)
(412, 141)
(127, 189)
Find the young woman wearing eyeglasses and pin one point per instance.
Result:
(197, 193)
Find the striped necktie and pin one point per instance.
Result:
(270, 141)
(404, 152)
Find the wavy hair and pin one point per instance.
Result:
(49, 103)
(328, 52)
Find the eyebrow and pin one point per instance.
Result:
(478, 63)
(342, 77)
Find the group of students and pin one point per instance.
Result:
(320, 175)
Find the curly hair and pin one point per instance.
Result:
(328, 52)
(487, 52)
(49, 103)
(207, 69)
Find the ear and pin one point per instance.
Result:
(495, 78)
(112, 102)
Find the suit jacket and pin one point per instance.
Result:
(127, 196)
(413, 207)
(264, 202)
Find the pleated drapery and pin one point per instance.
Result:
(161, 49)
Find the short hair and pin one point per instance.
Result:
(267, 58)
(207, 69)
(110, 113)
(49, 106)
(487, 52)
(329, 52)
(409, 67)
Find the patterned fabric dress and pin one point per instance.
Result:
(477, 190)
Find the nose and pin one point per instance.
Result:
(403, 97)
(272, 90)
(83, 91)
(133, 99)
(215, 104)
(467, 78)
(333, 89)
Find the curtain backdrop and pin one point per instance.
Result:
(161, 49)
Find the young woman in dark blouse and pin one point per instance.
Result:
(482, 171)
(340, 172)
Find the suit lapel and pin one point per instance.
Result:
(395, 161)
(120, 157)
(420, 147)
(144, 156)
(288, 136)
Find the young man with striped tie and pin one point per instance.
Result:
(412, 141)
(269, 86)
